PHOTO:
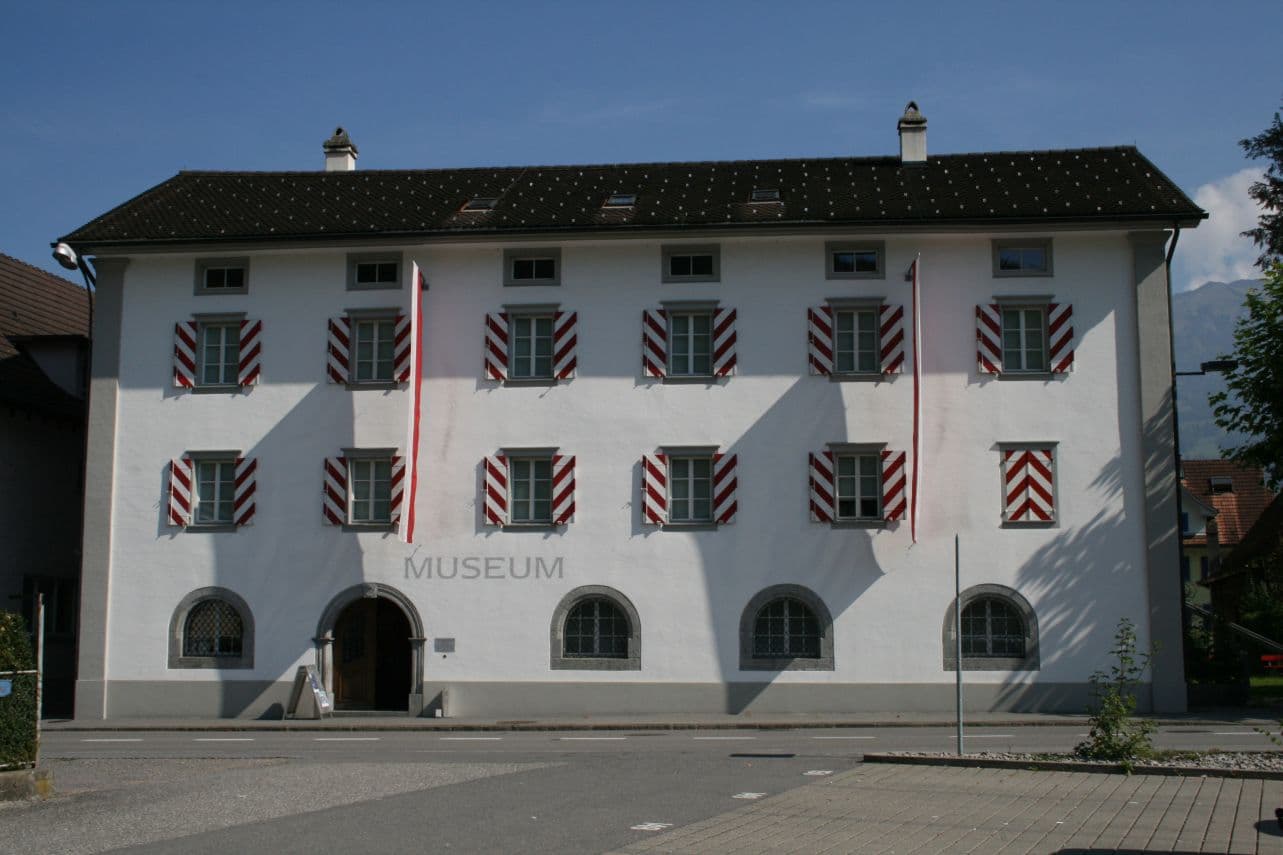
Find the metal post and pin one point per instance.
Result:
(40, 667)
(957, 634)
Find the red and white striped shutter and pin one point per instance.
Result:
(725, 486)
(1060, 337)
(819, 339)
(989, 338)
(823, 488)
(1029, 485)
(723, 342)
(334, 491)
(180, 492)
(337, 349)
(496, 346)
(563, 489)
(495, 490)
(895, 494)
(654, 489)
(185, 333)
(247, 372)
(395, 489)
(891, 338)
(401, 348)
(565, 344)
(243, 505)
(655, 343)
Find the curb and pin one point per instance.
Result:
(1074, 766)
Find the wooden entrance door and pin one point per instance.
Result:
(355, 655)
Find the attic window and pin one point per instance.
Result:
(620, 200)
(481, 203)
(765, 195)
(1221, 484)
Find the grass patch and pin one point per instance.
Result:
(1267, 690)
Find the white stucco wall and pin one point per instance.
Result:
(888, 596)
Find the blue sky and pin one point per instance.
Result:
(103, 100)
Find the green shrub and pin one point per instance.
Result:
(1116, 734)
(18, 710)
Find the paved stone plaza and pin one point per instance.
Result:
(928, 809)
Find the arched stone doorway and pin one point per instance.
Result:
(369, 650)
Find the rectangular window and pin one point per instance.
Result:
(531, 490)
(620, 200)
(220, 354)
(1029, 257)
(223, 278)
(690, 489)
(855, 341)
(368, 271)
(531, 355)
(215, 492)
(859, 487)
(855, 260)
(371, 491)
(690, 345)
(691, 264)
(222, 275)
(532, 267)
(1024, 339)
(375, 350)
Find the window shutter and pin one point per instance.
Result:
(334, 491)
(891, 338)
(822, 486)
(251, 351)
(496, 345)
(243, 505)
(894, 494)
(654, 489)
(724, 488)
(655, 343)
(723, 342)
(185, 333)
(495, 498)
(565, 344)
(340, 337)
(401, 349)
(395, 489)
(1029, 485)
(988, 339)
(819, 339)
(1060, 337)
(563, 489)
(180, 492)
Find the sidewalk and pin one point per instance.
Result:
(745, 721)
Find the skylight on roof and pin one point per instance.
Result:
(765, 195)
(620, 200)
(481, 203)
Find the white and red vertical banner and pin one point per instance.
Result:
(914, 270)
(411, 476)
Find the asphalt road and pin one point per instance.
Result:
(469, 792)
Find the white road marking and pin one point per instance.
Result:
(989, 735)
(223, 739)
(471, 738)
(817, 773)
(346, 738)
(651, 826)
(1236, 733)
(722, 738)
(844, 737)
(748, 795)
(113, 739)
(592, 738)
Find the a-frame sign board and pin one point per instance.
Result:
(308, 699)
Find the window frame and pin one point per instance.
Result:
(558, 661)
(352, 456)
(690, 456)
(515, 458)
(834, 247)
(224, 456)
(355, 319)
(840, 454)
(874, 310)
(178, 629)
(515, 254)
(517, 314)
(749, 661)
(673, 312)
(669, 251)
(1024, 305)
(234, 328)
(203, 265)
(357, 258)
(998, 245)
(1029, 662)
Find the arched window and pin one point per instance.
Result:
(999, 631)
(595, 628)
(786, 627)
(211, 628)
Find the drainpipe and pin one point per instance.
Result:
(1176, 450)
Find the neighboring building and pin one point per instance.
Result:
(44, 323)
(665, 452)
(1222, 500)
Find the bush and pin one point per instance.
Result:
(18, 710)
(1116, 734)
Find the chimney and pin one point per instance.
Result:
(340, 152)
(913, 135)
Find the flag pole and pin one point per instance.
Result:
(957, 635)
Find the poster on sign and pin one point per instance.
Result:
(308, 699)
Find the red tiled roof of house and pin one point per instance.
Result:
(1237, 510)
(36, 303)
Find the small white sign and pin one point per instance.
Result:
(819, 772)
(651, 826)
(748, 795)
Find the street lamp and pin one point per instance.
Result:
(1212, 366)
(71, 260)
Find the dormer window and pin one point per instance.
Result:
(620, 200)
(1221, 484)
(765, 195)
(481, 203)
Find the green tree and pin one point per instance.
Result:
(1268, 192)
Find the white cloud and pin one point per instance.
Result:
(1216, 250)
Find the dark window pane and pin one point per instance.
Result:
(545, 268)
(843, 262)
(702, 265)
(1008, 259)
(679, 265)
(234, 277)
(866, 261)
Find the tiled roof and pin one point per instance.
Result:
(1073, 185)
(36, 303)
(1264, 537)
(1237, 511)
